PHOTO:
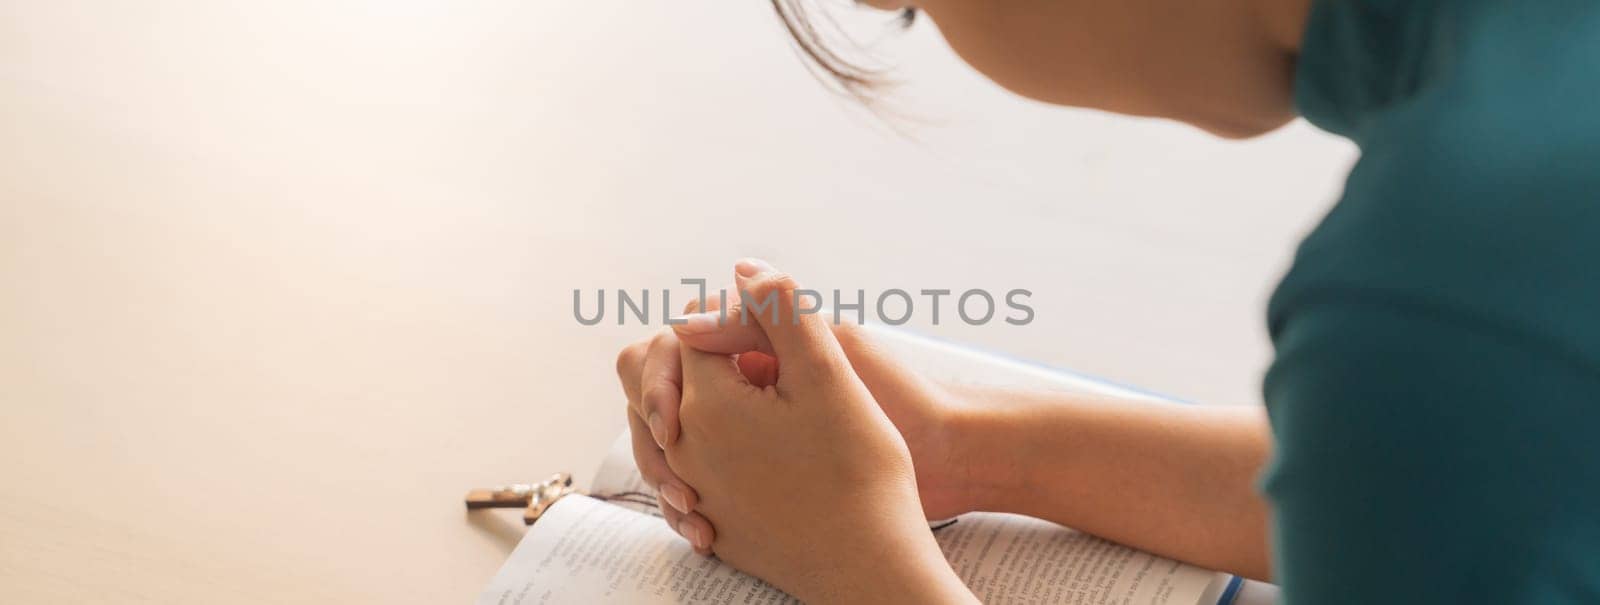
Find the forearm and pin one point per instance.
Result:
(1173, 479)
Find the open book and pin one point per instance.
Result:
(618, 550)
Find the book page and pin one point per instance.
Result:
(587, 551)
(960, 364)
(618, 480)
(1015, 559)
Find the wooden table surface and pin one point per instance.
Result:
(280, 281)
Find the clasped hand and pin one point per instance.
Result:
(785, 445)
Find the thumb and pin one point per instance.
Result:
(722, 330)
(788, 316)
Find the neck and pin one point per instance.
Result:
(1284, 21)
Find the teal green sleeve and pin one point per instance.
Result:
(1436, 394)
(1423, 458)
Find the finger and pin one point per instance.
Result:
(678, 515)
(697, 530)
(690, 526)
(759, 368)
(801, 338)
(671, 515)
(718, 332)
(713, 301)
(720, 329)
(630, 362)
(652, 463)
(647, 455)
(660, 387)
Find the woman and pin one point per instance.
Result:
(1431, 433)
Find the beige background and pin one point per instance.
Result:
(280, 280)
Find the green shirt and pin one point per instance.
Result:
(1436, 392)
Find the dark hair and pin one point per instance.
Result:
(847, 77)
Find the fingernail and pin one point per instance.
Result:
(691, 533)
(674, 495)
(697, 323)
(751, 267)
(658, 430)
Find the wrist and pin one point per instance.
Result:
(990, 433)
(909, 568)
